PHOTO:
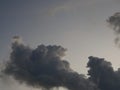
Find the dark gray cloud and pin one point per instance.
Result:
(114, 22)
(102, 73)
(44, 67)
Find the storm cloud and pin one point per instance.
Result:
(101, 72)
(43, 67)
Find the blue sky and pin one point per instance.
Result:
(78, 25)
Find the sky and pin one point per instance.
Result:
(78, 25)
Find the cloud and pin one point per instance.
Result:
(55, 10)
(102, 73)
(17, 39)
(44, 67)
(114, 22)
(66, 6)
(70, 6)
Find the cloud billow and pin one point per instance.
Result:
(44, 67)
(101, 72)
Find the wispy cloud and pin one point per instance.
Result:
(70, 6)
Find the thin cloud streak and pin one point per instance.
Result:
(70, 6)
